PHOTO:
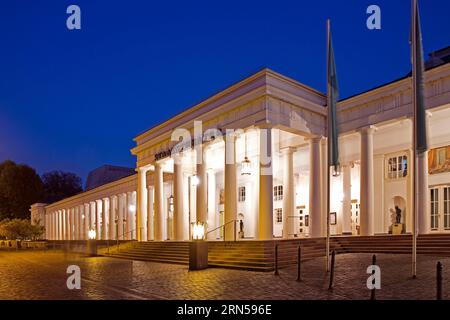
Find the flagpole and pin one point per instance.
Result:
(327, 244)
(414, 157)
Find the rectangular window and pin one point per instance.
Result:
(279, 215)
(397, 167)
(442, 156)
(278, 193)
(241, 197)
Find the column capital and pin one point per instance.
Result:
(288, 150)
(316, 139)
(264, 125)
(368, 130)
(143, 169)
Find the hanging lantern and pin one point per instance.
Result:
(246, 167)
(171, 203)
(336, 171)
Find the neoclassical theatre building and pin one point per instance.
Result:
(275, 185)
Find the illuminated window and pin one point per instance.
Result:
(442, 156)
(279, 215)
(241, 197)
(397, 167)
(278, 193)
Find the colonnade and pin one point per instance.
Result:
(112, 217)
(140, 214)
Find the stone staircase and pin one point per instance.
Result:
(435, 244)
(260, 255)
(165, 251)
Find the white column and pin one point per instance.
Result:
(178, 226)
(96, 219)
(112, 218)
(265, 185)
(150, 215)
(76, 223)
(133, 215)
(50, 216)
(230, 207)
(315, 203)
(159, 203)
(127, 216)
(87, 217)
(103, 224)
(67, 224)
(71, 223)
(56, 226)
(46, 226)
(347, 200)
(366, 183)
(202, 187)
(422, 196)
(288, 192)
(61, 224)
(211, 203)
(142, 202)
(80, 222)
(120, 204)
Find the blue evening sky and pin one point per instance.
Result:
(74, 100)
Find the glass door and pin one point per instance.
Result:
(434, 208)
(446, 209)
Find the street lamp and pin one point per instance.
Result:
(198, 232)
(198, 248)
(92, 243)
(92, 234)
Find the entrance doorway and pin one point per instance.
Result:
(440, 209)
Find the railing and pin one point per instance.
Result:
(123, 236)
(224, 229)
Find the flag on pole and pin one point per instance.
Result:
(332, 97)
(421, 136)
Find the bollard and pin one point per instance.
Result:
(439, 281)
(276, 260)
(299, 261)
(372, 292)
(333, 254)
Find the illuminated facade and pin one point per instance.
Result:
(267, 179)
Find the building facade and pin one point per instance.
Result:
(250, 162)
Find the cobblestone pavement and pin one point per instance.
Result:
(42, 275)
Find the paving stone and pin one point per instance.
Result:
(42, 275)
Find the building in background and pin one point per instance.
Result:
(285, 120)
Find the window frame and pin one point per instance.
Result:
(278, 192)
(397, 166)
(278, 215)
(242, 194)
